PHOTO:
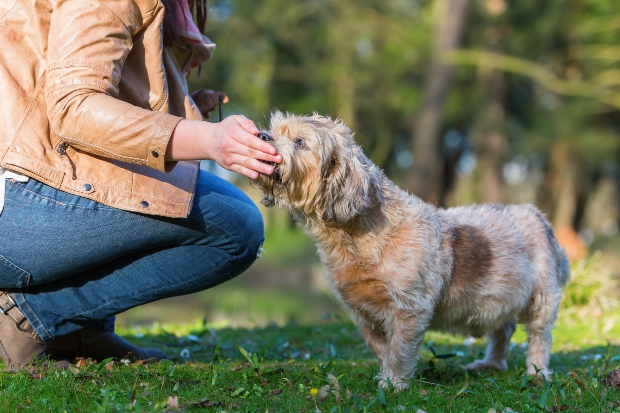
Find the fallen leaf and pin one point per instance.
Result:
(141, 362)
(420, 411)
(323, 392)
(612, 379)
(335, 386)
(74, 370)
(109, 366)
(574, 376)
(81, 362)
(276, 391)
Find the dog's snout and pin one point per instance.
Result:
(265, 136)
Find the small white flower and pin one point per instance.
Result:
(139, 335)
(184, 353)
(523, 345)
(125, 361)
(307, 356)
(194, 338)
(469, 341)
(460, 354)
(598, 356)
(584, 357)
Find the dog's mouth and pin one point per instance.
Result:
(265, 137)
(268, 182)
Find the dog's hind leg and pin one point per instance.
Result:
(498, 347)
(538, 325)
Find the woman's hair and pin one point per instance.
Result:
(171, 29)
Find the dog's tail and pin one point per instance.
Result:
(564, 265)
(561, 259)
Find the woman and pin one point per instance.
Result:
(104, 208)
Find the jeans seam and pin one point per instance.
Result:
(24, 275)
(102, 207)
(31, 316)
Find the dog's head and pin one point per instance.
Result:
(323, 175)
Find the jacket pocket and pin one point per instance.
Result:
(11, 276)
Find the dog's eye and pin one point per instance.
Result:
(300, 142)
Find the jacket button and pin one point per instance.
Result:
(144, 204)
(155, 154)
(87, 187)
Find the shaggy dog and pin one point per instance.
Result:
(401, 266)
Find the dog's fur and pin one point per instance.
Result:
(401, 266)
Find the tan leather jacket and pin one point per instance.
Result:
(89, 99)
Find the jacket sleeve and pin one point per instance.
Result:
(87, 45)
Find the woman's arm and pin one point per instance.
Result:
(88, 43)
(231, 143)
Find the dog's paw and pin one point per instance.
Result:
(397, 384)
(539, 374)
(482, 365)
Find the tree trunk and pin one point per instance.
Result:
(424, 178)
(493, 146)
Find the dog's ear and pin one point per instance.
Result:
(347, 186)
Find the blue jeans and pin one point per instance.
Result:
(70, 261)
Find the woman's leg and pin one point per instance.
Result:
(72, 261)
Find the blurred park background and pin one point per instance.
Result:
(458, 101)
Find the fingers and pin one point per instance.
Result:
(256, 147)
(246, 124)
(250, 167)
(207, 100)
(240, 150)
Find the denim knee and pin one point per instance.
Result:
(251, 233)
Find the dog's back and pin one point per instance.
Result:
(504, 259)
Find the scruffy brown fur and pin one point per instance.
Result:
(401, 266)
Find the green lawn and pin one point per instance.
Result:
(326, 367)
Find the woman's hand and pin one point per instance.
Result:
(207, 100)
(232, 143)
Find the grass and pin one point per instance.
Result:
(326, 367)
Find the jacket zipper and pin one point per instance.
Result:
(61, 149)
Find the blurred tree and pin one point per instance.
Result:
(425, 177)
(532, 104)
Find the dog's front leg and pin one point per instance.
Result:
(375, 339)
(404, 337)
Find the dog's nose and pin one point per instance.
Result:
(265, 136)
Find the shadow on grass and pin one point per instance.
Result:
(441, 358)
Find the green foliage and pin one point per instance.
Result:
(591, 287)
(367, 62)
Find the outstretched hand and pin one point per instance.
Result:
(232, 143)
(235, 146)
